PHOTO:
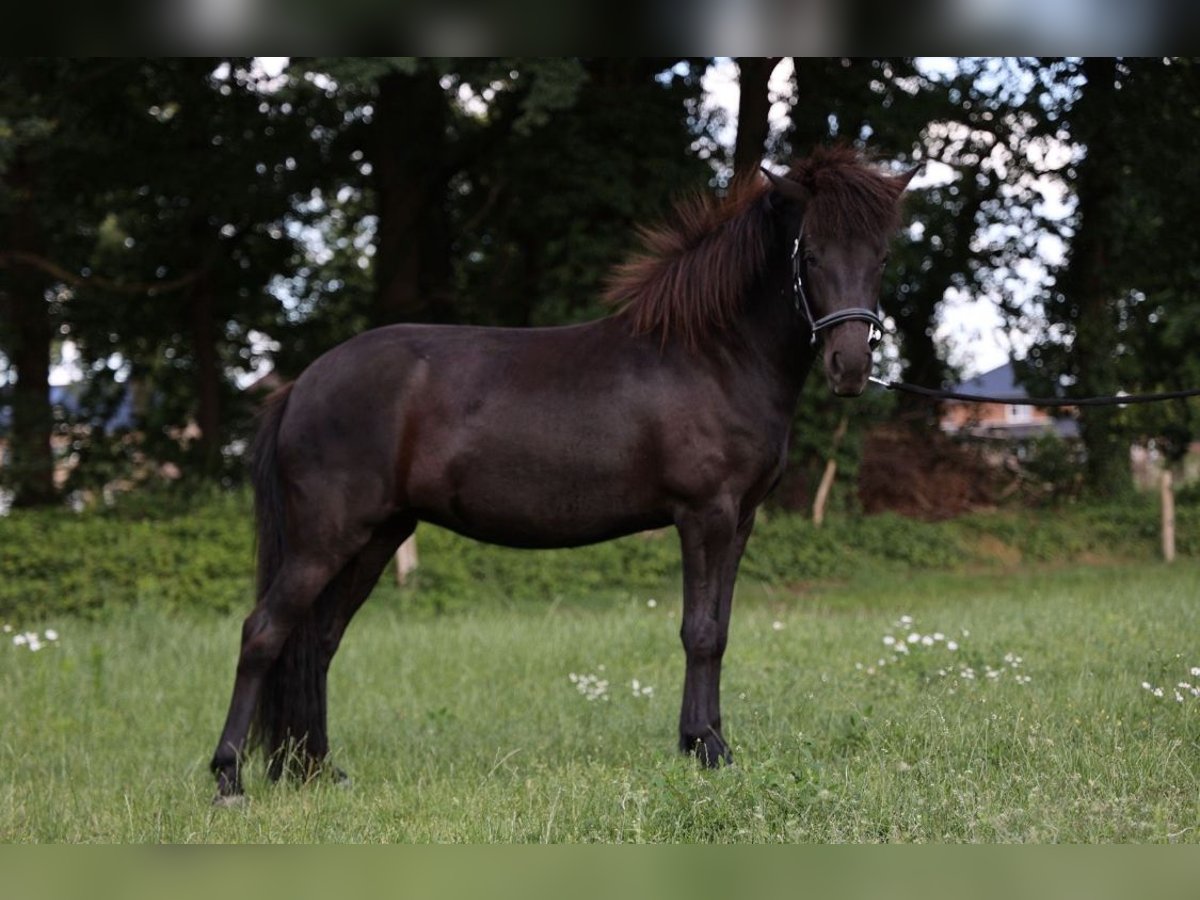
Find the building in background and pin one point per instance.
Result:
(1009, 422)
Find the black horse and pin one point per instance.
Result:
(673, 411)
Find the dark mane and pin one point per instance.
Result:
(694, 270)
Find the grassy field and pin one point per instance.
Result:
(469, 726)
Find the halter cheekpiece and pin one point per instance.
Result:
(851, 314)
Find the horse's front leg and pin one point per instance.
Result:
(713, 541)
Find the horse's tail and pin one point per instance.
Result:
(290, 717)
(268, 491)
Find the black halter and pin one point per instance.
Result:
(851, 314)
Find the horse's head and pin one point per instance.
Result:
(838, 216)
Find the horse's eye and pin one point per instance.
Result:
(810, 260)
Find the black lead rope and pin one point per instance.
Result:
(1120, 400)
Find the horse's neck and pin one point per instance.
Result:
(775, 334)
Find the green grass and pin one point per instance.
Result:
(465, 727)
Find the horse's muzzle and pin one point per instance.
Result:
(847, 372)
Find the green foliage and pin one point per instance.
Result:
(820, 416)
(1053, 466)
(190, 549)
(171, 550)
(1121, 314)
(544, 215)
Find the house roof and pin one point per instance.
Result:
(999, 382)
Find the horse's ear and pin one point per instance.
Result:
(792, 190)
(901, 181)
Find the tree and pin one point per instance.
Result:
(61, 121)
(754, 107)
(1122, 315)
(498, 190)
(217, 168)
(542, 219)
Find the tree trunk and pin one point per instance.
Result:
(207, 375)
(409, 157)
(1086, 285)
(754, 107)
(23, 298)
(32, 462)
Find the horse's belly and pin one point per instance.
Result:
(532, 505)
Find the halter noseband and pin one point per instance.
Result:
(851, 314)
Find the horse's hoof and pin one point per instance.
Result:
(341, 779)
(710, 750)
(229, 801)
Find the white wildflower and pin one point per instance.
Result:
(592, 687)
(777, 625)
(651, 603)
(951, 645)
(888, 640)
(50, 634)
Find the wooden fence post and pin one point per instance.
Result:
(406, 559)
(1168, 515)
(830, 471)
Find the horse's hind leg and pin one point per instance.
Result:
(340, 600)
(288, 601)
(361, 576)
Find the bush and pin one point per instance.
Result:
(186, 551)
(193, 555)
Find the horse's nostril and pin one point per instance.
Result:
(835, 363)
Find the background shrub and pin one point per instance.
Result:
(182, 551)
